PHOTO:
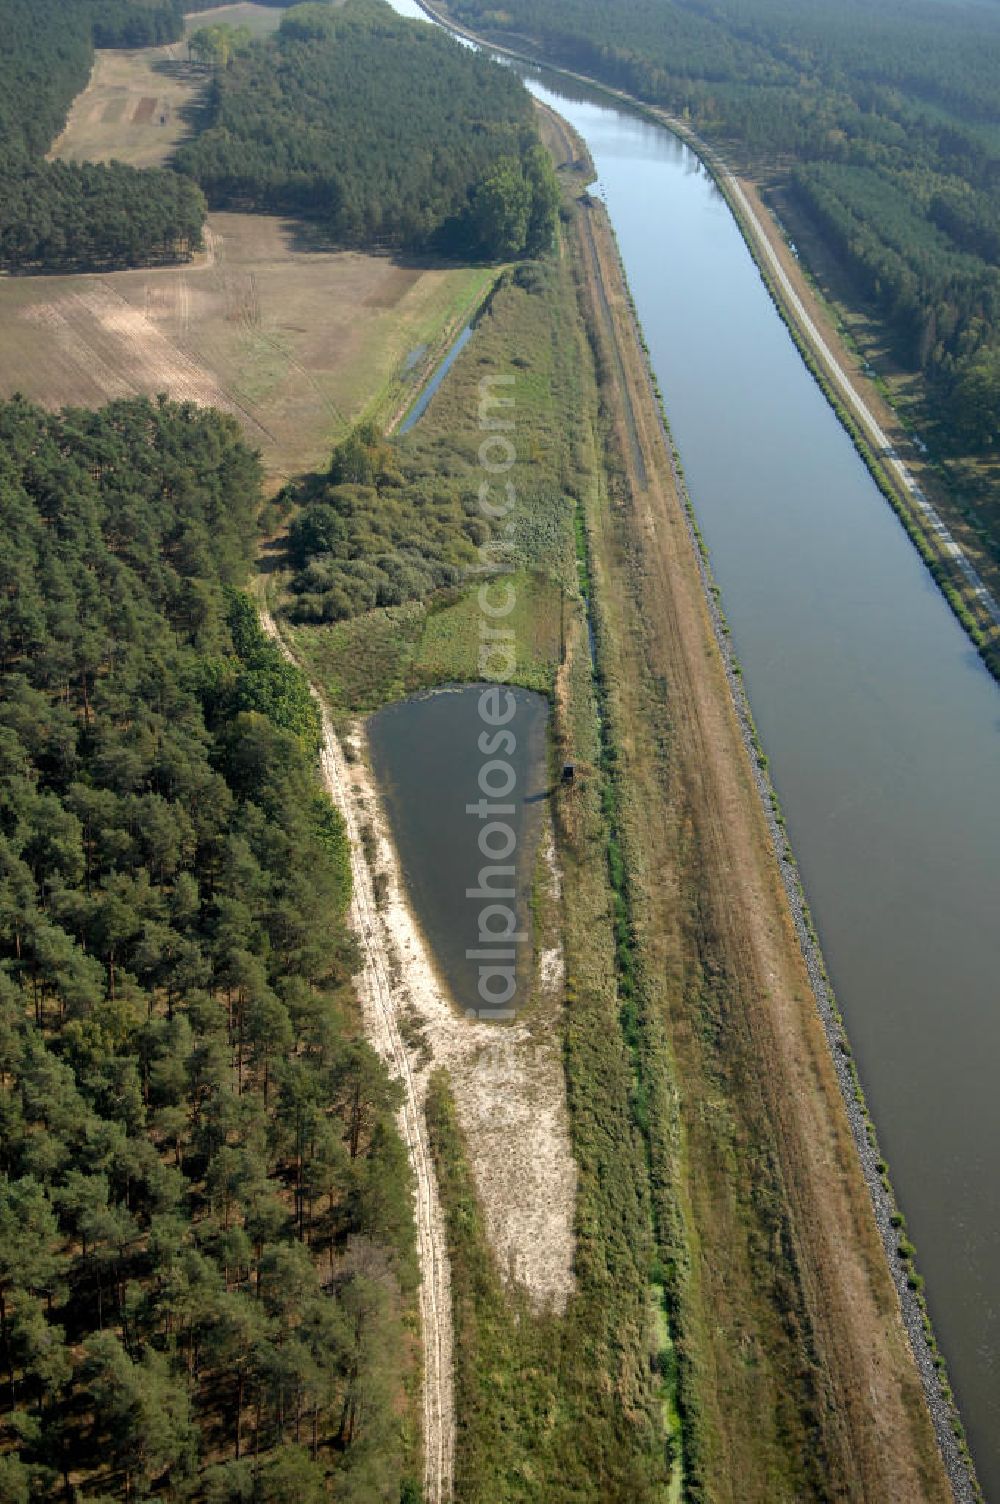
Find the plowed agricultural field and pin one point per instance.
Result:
(295, 342)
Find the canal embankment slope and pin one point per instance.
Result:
(878, 434)
(727, 969)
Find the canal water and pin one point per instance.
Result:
(464, 774)
(882, 726)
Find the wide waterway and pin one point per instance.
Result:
(882, 726)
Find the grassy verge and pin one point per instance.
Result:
(702, 1343)
(693, 1336)
(367, 661)
(652, 1100)
(526, 331)
(464, 294)
(626, 1395)
(899, 1251)
(965, 487)
(734, 1227)
(947, 576)
(507, 1388)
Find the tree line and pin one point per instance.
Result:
(206, 1242)
(384, 131)
(881, 120)
(96, 216)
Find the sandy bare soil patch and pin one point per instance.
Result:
(97, 336)
(507, 1080)
(383, 1025)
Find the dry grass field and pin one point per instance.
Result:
(295, 342)
(136, 107)
(259, 18)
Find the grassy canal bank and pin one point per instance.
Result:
(531, 1421)
(754, 1124)
(731, 1291)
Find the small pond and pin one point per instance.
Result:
(464, 775)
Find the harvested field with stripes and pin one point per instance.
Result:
(294, 342)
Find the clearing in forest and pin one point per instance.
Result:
(295, 342)
(293, 338)
(137, 106)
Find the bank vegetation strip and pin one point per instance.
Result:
(780, 1072)
(718, 1181)
(725, 1240)
(928, 529)
(735, 1168)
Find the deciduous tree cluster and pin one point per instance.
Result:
(369, 536)
(395, 521)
